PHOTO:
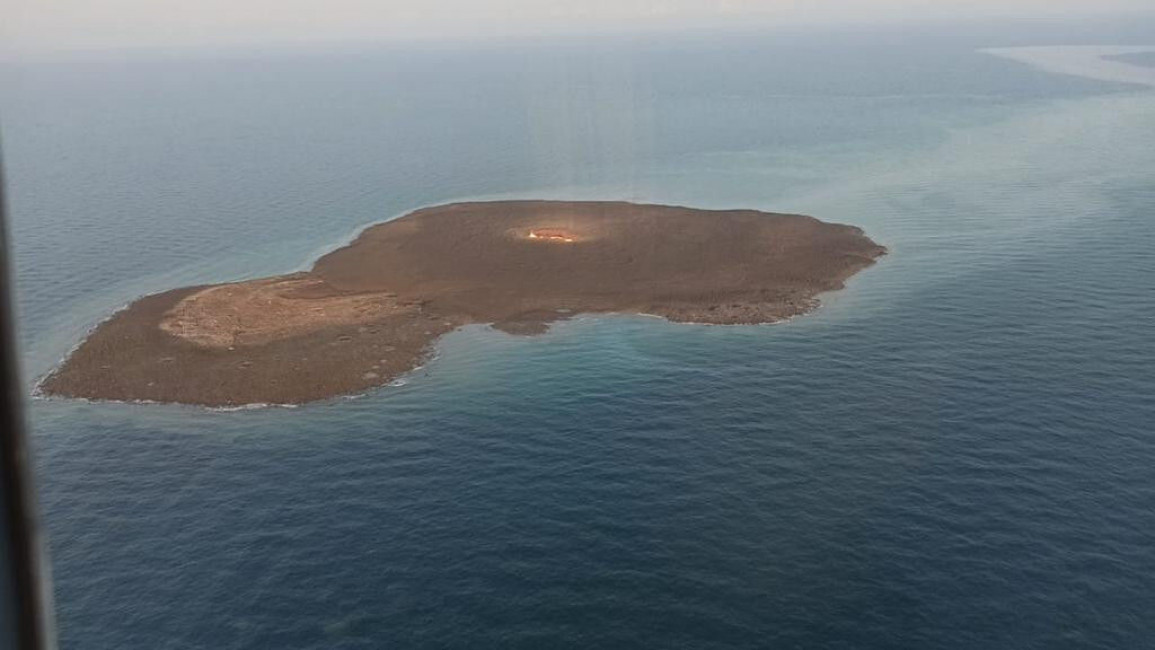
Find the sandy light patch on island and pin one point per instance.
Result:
(260, 311)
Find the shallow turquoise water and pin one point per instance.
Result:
(954, 452)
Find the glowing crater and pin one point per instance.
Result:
(556, 235)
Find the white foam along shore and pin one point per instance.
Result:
(1083, 61)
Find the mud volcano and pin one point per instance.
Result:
(370, 311)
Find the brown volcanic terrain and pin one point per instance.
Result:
(370, 311)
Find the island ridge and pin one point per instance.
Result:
(371, 311)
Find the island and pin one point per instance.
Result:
(371, 311)
(1144, 59)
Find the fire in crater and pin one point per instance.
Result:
(552, 235)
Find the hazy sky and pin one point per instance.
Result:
(31, 25)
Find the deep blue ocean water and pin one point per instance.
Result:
(958, 451)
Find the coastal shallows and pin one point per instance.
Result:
(371, 311)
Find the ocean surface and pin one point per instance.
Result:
(957, 451)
